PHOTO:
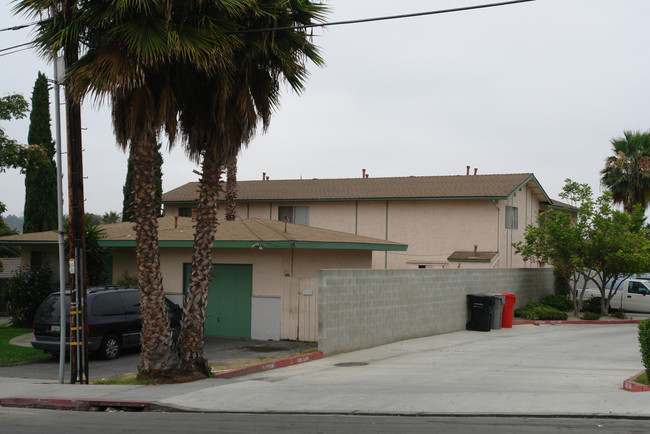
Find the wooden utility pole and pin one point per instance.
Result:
(77, 234)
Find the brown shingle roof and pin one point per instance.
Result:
(413, 187)
(239, 233)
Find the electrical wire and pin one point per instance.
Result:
(22, 26)
(386, 18)
(16, 51)
(334, 23)
(15, 46)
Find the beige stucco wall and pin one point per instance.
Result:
(269, 265)
(433, 229)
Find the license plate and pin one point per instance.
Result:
(56, 328)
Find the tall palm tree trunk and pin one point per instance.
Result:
(156, 340)
(191, 337)
(231, 189)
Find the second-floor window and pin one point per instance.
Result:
(295, 214)
(512, 217)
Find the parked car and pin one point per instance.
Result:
(114, 320)
(632, 295)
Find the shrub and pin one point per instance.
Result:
(534, 311)
(620, 314)
(25, 291)
(591, 316)
(559, 302)
(592, 304)
(126, 280)
(644, 340)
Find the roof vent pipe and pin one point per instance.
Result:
(263, 176)
(363, 173)
(475, 170)
(467, 170)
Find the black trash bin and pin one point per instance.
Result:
(479, 312)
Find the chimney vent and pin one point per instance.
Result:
(263, 176)
(467, 170)
(363, 173)
(475, 170)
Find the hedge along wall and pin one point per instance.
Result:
(364, 308)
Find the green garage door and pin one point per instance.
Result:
(229, 300)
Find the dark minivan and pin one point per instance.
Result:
(113, 320)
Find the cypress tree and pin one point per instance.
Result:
(40, 176)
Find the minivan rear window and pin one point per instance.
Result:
(50, 307)
(107, 304)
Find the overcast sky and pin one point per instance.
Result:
(537, 87)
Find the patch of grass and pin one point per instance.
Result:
(128, 379)
(643, 379)
(13, 354)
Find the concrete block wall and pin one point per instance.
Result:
(365, 308)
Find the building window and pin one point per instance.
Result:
(36, 259)
(512, 217)
(294, 214)
(185, 212)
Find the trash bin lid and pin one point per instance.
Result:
(509, 296)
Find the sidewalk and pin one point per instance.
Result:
(531, 370)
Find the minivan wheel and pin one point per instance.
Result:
(111, 347)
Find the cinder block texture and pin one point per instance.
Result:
(365, 308)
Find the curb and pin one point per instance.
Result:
(126, 405)
(557, 322)
(633, 386)
(75, 404)
(270, 365)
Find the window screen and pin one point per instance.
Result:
(512, 217)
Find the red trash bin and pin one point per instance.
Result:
(508, 312)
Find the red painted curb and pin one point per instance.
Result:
(633, 386)
(596, 322)
(270, 365)
(71, 404)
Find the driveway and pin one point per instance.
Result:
(222, 354)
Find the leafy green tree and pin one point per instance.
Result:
(40, 176)
(11, 153)
(600, 244)
(558, 237)
(26, 289)
(618, 248)
(627, 171)
(6, 251)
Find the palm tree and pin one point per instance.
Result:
(131, 48)
(217, 118)
(627, 172)
(231, 189)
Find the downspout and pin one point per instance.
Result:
(494, 202)
(386, 251)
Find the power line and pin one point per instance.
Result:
(334, 23)
(16, 51)
(15, 46)
(386, 18)
(22, 26)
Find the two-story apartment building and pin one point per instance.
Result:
(446, 221)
